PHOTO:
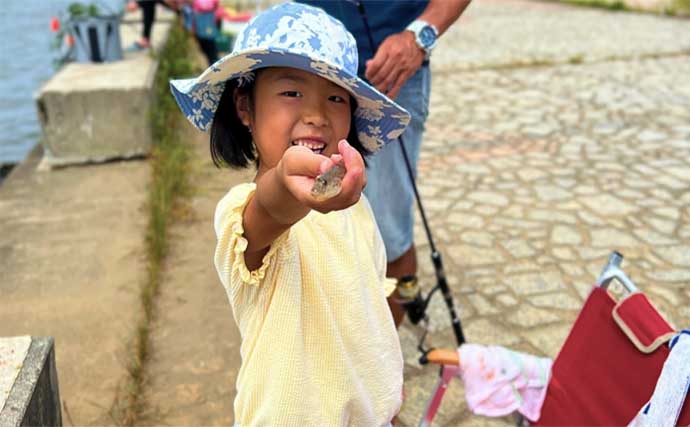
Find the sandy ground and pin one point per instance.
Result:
(195, 341)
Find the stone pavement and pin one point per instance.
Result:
(532, 175)
(556, 134)
(499, 34)
(550, 142)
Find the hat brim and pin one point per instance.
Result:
(378, 119)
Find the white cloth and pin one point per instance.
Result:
(671, 388)
(499, 381)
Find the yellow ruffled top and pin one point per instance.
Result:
(319, 346)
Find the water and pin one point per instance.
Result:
(26, 61)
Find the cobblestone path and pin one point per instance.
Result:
(556, 135)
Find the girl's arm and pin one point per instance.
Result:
(263, 220)
(283, 196)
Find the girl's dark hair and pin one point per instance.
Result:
(231, 141)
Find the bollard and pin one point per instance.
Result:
(33, 398)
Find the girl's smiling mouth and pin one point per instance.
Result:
(315, 145)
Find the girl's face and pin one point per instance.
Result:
(294, 107)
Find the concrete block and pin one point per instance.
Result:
(98, 112)
(29, 388)
(90, 115)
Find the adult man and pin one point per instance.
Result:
(403, 33)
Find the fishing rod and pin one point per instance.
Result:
(416, 308)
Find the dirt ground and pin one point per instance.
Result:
(195, 343)
(72, 261)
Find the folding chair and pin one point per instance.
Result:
(607, 368)
(609, 364)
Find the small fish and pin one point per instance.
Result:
(328, 184)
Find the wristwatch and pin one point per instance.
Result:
(425, 35)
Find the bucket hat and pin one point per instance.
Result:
(303, 37)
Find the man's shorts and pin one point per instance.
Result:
(388, 187)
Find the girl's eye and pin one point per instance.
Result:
(336, 98)
(292, 94)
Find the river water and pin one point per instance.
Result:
(26, 61)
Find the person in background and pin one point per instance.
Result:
(404, 34)
(206, 16)
(148, 15)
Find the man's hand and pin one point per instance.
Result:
(395, 61)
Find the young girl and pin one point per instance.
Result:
(305, 277)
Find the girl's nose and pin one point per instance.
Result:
(314, 115)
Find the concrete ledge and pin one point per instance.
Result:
(98, 112)
(34, 399)
(72, 257)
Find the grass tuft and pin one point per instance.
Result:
(170, 160)
(614, 5)
(670, 7)
(679, 7)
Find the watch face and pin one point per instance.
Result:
(427, 36)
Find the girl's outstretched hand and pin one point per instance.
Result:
(300, 166)
(283, 195)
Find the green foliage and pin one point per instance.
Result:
(672, 7)
(577, 59)
(80, 10)
(682, 6)
(616, 5)
(75, 11)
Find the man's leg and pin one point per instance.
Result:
(405, 265)
(389, 189)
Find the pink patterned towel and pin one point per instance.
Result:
(499, 381)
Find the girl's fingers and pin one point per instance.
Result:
(302, 161)
(354, 180)
(329, 163)
(351, 157)
(301, 166)
(343, 146)
(325, 165)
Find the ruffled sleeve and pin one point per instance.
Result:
(229, 257)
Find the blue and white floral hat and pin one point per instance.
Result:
(298, 36)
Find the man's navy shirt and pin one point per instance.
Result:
(385, 17)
